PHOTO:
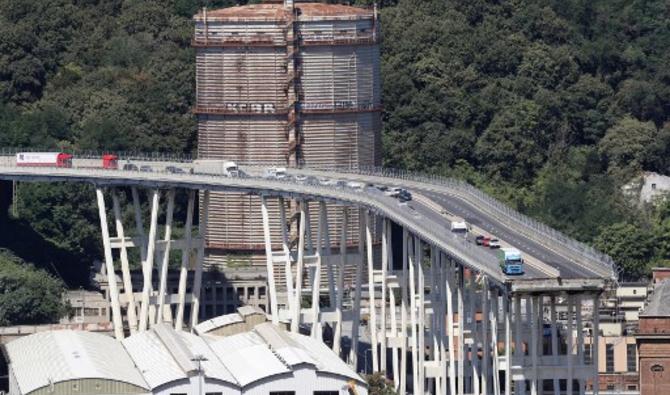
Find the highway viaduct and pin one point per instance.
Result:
(448, 322)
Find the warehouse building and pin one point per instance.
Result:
(265, 359)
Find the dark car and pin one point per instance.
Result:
(130, 167)
(173, 169)
(146, 169)
(404, 196)
(479, 240)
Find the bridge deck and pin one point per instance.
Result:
(418, 217)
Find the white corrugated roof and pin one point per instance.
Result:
(326, 360)
(71, 355)
(247, 357)
(213, 367)
(152, 359)
(289, 350)
(218, 322)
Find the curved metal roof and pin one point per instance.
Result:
(71, 355)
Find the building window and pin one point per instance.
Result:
(251, 291)
(208, 293)
(609, 358)
(261, 292)
(587, 354)
(653, 186)
(631, 357)
(219, 293)
(631, 387)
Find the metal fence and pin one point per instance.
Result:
(529, 227)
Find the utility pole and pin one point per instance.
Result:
(199, 359)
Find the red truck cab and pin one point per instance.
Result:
(110, 161)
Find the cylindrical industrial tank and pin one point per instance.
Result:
(263, 68)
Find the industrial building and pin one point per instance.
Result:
(264, 359)
(284, 84)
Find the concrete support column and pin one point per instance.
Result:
(494, 340)
(596, 342)
(274, 312)
(197, 280)
(403, 311)
(117, 319)
(357, 288)
(326, 252)
(449, 283)
(554, 340)
(413, 318)
(570, 345)
(340, 280)
(486, 340)
(518, 343)
(534, 318)
(474, 348)
(185, 255)
(372, 324)
(383, 362)
(421, 313)
(162, 289)
(316, 273)
(580, 339)
(461, 331)
(288, 267)
(507, 311)
(297, 301)
(149, 266)
(131, 309)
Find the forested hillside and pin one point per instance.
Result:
(550, 105)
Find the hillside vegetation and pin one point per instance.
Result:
(549, 105)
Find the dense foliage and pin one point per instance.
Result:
(550, 105)
(28, 295)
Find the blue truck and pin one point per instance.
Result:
(511, 261)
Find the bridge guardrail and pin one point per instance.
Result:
(458, 247)
(529, 227)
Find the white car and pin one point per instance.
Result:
(355, 185)
(275, 172)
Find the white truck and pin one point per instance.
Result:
(216, 167)
(459, 226)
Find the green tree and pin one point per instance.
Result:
(625, 145)
(27, 295)
(631, 247)
(378, 384)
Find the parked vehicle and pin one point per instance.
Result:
(511, 261)
(494, 243)
(130, 167)
(146, 169)
(486, 240)
(355, 185)
(479, 240)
